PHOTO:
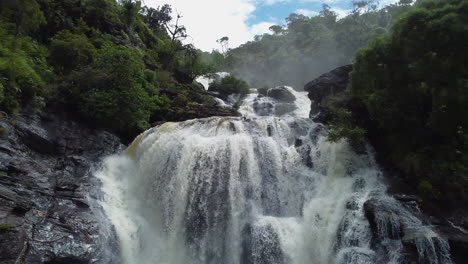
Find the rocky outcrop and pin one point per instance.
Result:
(48, 212)
(193, 111)
(281, 94)
(197, 103)
(327, 85)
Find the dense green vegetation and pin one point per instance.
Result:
(229, 85)
(308, 46)
(413, 83)
(115, 64)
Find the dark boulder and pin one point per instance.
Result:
(457, 238)
(48, 208)
(281, 94)
(263, 107)
(385, 223)
(327, 85)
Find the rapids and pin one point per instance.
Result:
(256, 189)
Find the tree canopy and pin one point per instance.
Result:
(111, 62)
(306, 47)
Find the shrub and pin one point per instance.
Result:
(20, 69)
(111, 93)
(69, 51)
(343, 127)
(230, 85)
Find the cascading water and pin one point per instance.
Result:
(256, 189)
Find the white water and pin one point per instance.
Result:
(254, 190)
(205, 81)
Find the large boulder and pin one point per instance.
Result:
(327, 85)
(48, 208)
(281, 94)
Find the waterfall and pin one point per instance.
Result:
(256, 189)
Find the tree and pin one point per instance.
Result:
(413, 84)
(277, 30)
(24, 15)
(176, 31)
(111, 93)
(69, 51)
(102, 14)
(157, 18)
(230, 85)
(224, 42)
(130, 10)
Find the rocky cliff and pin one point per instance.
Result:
(326, 86)
(48, 212)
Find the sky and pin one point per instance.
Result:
(240, 20)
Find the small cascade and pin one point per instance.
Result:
(262, 188)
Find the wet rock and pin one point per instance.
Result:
(405, 197)
(355, 255)
(327, 85)
(384, 222)
(18, 203)
(263, 108)
(282, 109)
(352, 204)
(281, 94)
(261, 245)
(457, 238)
(46, 215)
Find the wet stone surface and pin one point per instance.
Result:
(48, 212)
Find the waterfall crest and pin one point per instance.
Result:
(256, 189)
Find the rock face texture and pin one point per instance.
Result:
(48, 212)
(327, 85)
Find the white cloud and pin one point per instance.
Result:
(261, 28)
(323, 1)
(306, 12)
(209, 20)
(272, 2)
(340, 12)
(383, 3)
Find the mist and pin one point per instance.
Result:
(306, 47)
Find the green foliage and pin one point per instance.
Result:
(102, 14)
(427, 191)
(263, 91)
(21, 66)
(230, 85)
(413, 83)
(307, 46)
(77, 47)
(21, 17)
(111, 93)
(5, 227)
(342, 127)
(105, 60)
(130, 11)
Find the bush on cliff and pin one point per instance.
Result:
(108, 61)
(414, 85)
(230, 85)
(112, 92)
